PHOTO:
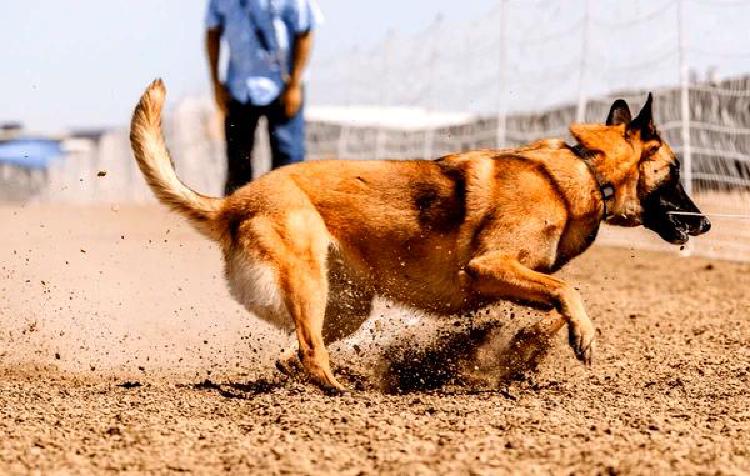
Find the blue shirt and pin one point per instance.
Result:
(260, 34)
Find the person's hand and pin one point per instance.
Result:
(292, 99)
(221, 96)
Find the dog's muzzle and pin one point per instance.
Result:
(671, 213)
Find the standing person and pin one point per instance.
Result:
(269, 45)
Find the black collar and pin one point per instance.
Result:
(606, 188)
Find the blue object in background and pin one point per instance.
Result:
(30, 153)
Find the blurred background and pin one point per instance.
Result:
(388, 79)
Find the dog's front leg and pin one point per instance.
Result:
(498, 276)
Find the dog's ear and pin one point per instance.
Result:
(619, 113)
(597, 136)
(644, 122)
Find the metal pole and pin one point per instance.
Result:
(431, 99)
(581, 109)
(687, 156)
(687, 159)
(502, 106)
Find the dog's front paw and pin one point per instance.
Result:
(581, 338)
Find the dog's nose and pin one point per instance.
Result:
(705, 225)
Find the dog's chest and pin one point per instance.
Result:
(578, 235)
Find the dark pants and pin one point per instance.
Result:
(287, 138)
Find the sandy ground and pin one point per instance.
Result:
(121, 350)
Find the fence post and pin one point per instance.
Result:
(581, 109)
(502, 106)
(687, 155)
(685, 102)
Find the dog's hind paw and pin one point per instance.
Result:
(289, 365)
(328, 383)
(335, 391)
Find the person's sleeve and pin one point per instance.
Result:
(307, 16)
(214, 18)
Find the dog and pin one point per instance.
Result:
(308, 246)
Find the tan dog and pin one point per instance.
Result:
(445, 236)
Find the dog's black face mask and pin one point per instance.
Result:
(668, 197)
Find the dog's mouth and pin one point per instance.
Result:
(671, 213)
(669, 229)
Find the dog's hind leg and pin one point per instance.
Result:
(349, 305)
(305, 289)
(345, 314)
(277, 268)
(301, 257)
(501, 277)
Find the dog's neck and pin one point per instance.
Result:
(606, 187)
(614, 161)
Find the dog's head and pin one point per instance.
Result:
(645, 173)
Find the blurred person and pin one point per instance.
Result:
(269, 45)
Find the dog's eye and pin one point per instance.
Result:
(652, 148)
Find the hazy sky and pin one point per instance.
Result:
(82, 63)
(79, 63)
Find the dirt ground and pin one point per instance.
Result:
(121, 350)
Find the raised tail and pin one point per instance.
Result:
(147, 141)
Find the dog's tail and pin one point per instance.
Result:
(147, 141)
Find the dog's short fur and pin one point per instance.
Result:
(446, 236)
